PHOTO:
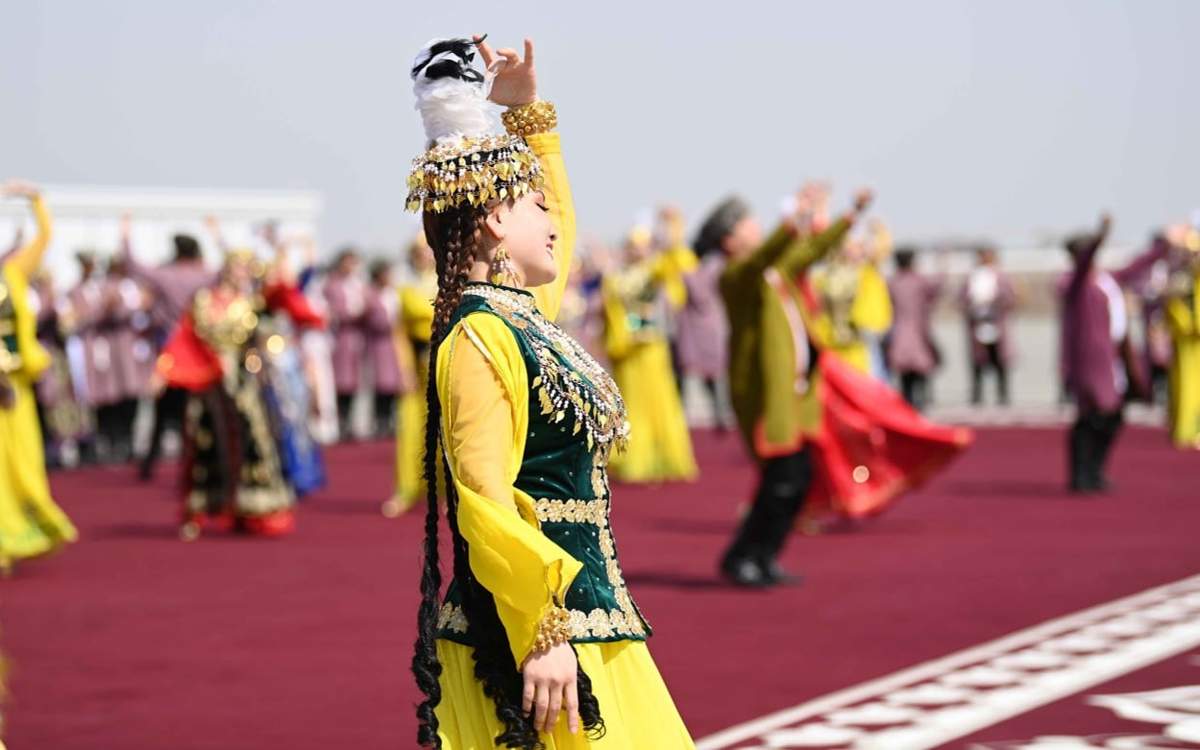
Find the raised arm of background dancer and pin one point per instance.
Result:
(1137, 271)
(27, 259)
(1085, 259)
(139, 271)
(815, 247)
(767, 254)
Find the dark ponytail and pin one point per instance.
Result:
(453, 236)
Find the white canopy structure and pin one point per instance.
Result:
(88, 218)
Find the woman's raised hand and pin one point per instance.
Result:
(515, 82)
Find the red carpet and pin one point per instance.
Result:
(134, 640)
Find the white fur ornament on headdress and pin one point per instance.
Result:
(451, 93)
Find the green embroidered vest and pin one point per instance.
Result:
(576, 418)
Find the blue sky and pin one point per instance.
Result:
(1012, 120)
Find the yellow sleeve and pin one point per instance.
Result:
(483, 387)
(548, 149)
(28, 258)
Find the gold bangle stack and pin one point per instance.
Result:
(529, 119)
(553, 630)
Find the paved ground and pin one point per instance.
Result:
(133, 640)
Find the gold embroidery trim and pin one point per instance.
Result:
(451, 618)
(599, 623)
(572, 511)
(571, 384)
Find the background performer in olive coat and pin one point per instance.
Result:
(771, 363)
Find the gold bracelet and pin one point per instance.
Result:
(528, 119)
(553, 630)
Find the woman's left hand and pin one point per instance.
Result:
(515, 82)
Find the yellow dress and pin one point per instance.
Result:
(660, 446)
(854, 301)
(483, 385)
(1183, 319)
(31, 523)
(415, 326)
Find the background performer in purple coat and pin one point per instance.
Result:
(173, 286)
(912, 354)
(379, 331)
(1098, 363)
(95, 377)
(126, 328)
(344, 292)
(703, 336)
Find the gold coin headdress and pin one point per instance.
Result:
(469, 161)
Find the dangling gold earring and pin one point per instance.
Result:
(502, 272)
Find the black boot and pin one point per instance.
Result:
(744, 572)
(1079, 450)
(750, 560)
(791, 487)
(1108, 426)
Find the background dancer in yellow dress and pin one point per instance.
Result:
(635, 334)
(537, 621)
(413, 331)
(1183, 320)
(30, 522)
(856, 308)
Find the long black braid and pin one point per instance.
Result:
(453, 236)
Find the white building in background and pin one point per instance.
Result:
(88, 218)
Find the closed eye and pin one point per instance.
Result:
(543, 207)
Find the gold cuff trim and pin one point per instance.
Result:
(529, 119)
(553, 630)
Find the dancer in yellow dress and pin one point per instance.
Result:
(537, 621)
(1183, 320)
(856, 308)
(30, 522)
(414, 329)
(635, 336)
